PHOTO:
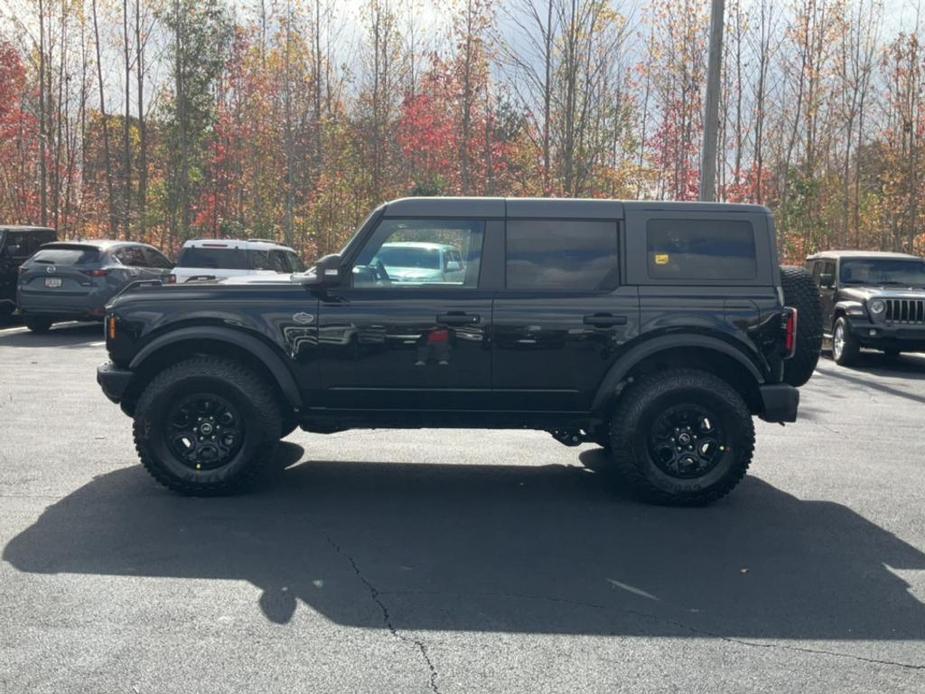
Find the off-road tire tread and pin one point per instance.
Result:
(630, 408)
(800, 292)
(259, 394)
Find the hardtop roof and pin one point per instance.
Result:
(572, 208)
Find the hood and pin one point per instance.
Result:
(863, 292)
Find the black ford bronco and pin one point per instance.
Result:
(655, 330)
(874, 300)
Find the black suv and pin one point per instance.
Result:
(653, 329)
(17, 243)
(869, 299)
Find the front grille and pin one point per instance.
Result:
(905, 310)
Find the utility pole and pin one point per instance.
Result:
(711, 104)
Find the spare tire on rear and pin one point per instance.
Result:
(801, 293)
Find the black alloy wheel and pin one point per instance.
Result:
(686, 441)
(204, 431)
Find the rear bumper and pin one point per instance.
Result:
(906, 338)
(780, 402)
(60, 305)
(113, 380)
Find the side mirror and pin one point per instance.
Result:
(826, 281)
(327, 272)
(453, 266)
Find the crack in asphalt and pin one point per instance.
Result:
(374, 593)
(674, 622)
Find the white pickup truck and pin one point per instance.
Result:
(216, 259)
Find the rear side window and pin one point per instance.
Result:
(133, 256)
(701, 249)
(67, 255)
(22, 244)
(563, 255)
(216, 258)
(157, 259)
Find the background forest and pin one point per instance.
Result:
(161, 120)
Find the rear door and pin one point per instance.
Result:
(563, 314)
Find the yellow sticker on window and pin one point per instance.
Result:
(662, 258)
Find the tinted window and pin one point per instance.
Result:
(218, 258)
(407, 253)
(694, 249)
(561, 255)
(132, 256)
(67, 255)
(157, 259)
(279, 262)
(22, 244)
(295, 262)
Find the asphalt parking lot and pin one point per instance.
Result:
(457, 561)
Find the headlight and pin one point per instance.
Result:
(876, 306)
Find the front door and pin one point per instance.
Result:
(411, 330)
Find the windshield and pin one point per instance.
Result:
(880, 271)
(408, 256)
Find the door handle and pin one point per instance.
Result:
(458, 318)
(604, 320)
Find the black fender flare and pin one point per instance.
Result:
(654, 345)
(253, 345)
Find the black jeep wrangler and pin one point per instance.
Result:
(874, 300)
(17, 243)
(653, 329)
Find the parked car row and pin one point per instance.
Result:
(49, 280)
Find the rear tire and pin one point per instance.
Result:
(205, 426)
(801, 293)
(845, 346)
(682, 438)
(39, 326)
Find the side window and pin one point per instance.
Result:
(295, 262)
(561, 255)
(259, 260)
(415, 252)
(156, 259)
(279, 262)
(815, 267)
(131, 256)
(700, 249)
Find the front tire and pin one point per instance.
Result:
(682, 438)
(39, 326)
(205, 426)
(845, 346)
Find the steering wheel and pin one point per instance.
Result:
(380, 272)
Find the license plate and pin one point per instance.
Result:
(52, 282)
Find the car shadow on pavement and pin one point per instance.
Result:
(498, 548)
(65, 335)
